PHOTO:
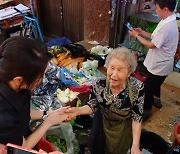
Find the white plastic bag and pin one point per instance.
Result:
(65, 131)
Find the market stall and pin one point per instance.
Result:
(72, 71)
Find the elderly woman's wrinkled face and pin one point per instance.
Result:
(117, 72)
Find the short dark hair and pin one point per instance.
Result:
(170, 4)
(21, 56)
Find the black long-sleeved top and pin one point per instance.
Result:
(14, 115)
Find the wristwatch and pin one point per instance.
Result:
(44, 115)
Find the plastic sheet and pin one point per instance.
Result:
(59, 41)
(67, 77)
(44, 96)
(81, 89)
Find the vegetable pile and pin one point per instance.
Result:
(55, 50)
(100, 50)
(61, 57)
(67, 95)
(58, 142)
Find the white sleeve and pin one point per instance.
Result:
(160, 38)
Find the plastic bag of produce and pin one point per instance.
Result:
(63, 138)
(71, 79)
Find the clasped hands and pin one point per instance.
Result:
(66, 114)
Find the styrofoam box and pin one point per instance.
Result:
(147, 7)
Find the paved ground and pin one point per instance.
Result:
(163, 120)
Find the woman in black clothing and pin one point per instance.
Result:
(23, 63)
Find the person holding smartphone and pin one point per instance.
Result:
(160, 57)
(23, 63)
(19, 150)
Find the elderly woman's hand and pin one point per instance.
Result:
(56, 117)
(135, 150)
(72, 113)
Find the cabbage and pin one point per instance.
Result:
(90, 63)
(94, 63)
(73, 70)
(100, 50)
(67, 95)
(85, 64)
(94, 51)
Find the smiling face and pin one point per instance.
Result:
(117, 72)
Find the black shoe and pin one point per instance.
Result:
(157, 103)
(146, 115)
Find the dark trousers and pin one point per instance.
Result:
(152, 88)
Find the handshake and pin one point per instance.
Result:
(64, 114)
(68, 113)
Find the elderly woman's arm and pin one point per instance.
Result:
(76, 111)
(136, 132)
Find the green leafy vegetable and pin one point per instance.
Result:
(58, 142)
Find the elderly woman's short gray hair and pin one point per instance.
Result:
(122, 54)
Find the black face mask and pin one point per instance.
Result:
(24, 91)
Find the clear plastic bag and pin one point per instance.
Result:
(65, 131)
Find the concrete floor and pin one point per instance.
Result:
(163, 120)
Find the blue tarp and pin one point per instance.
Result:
(59, 41)
(66, 77)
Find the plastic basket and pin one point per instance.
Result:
(177, 133)
(153, 143)
(45, 145)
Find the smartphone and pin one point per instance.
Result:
(129, 26)
(16, 149)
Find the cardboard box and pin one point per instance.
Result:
(172, 84)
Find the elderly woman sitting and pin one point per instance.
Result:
(118, 106)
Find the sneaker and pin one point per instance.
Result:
(146, 115)
(157, 103)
